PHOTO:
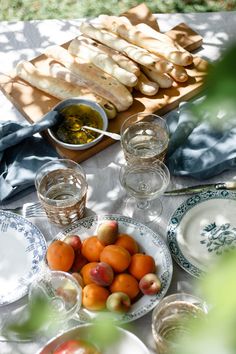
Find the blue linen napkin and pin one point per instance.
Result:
(19, 163)
(200, 148)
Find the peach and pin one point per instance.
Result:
(74, 241)
(150, 284)
(79, 262)
(79, 278)
(76, 346)
(102, 274)
(107, 232)
(118, 302)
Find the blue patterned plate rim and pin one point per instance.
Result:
(148, 240)
(30, 245)
(176, 218)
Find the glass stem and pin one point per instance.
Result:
(143, 204)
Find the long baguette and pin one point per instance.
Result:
(150, 32)
(134, 52)
(179, 73)
(122, 60)
(107, 86)
(58, 88)
(145, 86)
(137, 37)
(163, 80)
(102, 61)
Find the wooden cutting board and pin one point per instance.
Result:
(33, 103)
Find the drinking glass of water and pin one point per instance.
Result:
(144, 182)
(61, 186)
(172, 318)
(144, 137)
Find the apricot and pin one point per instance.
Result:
(60, 256)
(116, 256)
(79, 262)
(125, 283)
(128, 243)
(92, 248)
(94, 297)
(141, 264)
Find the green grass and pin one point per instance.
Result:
(45, 9)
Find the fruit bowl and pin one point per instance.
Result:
(126, 342)
(150, 243)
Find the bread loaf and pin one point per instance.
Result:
(137, 36)
(59, 88)
(106, 86)
(122, 60)
(163, 80)
(145, 86)
(102, 61)
(139, 55)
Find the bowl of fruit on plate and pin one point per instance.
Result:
(122, 266)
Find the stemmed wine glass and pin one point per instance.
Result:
(144, 182)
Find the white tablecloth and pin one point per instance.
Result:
(25, 40)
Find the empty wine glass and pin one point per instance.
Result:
(144, 182)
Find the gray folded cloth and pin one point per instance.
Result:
(19, 163)
(200, 148)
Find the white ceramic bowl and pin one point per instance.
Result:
(127, 343)
(73, 101)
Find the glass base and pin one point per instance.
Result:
(143, 211)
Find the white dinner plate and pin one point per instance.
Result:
(22, 249)
(149, 242)
(203, 227)
(127, 342)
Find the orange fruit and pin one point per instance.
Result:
(128, 243)
(141, 264)
(94, 297)
(60, 256)
(91, 248)
(116, 256)
(126, 283)
(85, 272)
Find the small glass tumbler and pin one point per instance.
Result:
(61, 186)
(144, 137)
(170, 320)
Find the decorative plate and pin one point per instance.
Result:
(203, 227)
(22, 249)
(127, 342)
(148, 241)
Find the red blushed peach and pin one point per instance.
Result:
(79, 262)
(107, 232)
(150, 284)
(102, 274)
(74, 241)
(118, 302)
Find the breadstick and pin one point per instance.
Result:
(163, 80)
(179, 73)
(150, 32)
(134, 52)
(112, 22)
(145, 86)
(123, 61)
(102, 61)
(107, 86)
(136, 36)
(58, 88)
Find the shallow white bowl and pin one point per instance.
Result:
(127, 343)
(93, 105)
